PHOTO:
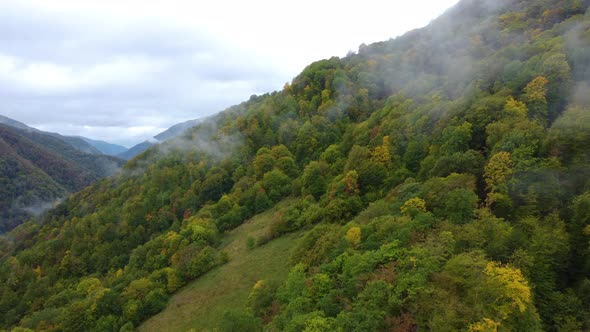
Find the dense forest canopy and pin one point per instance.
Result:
(440, 181)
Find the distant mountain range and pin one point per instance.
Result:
(93, 146)
(84, 144)
(39, 168)
(105, 147)
(171, 132)
(135, 150)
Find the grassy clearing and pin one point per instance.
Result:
(201, 304)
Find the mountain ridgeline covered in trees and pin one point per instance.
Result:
(439, 181)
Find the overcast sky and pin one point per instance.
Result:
(123, 71)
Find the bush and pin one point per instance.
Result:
(250, 243)
(239, 321)
(193, 261)
(261, 298)
(316, 245)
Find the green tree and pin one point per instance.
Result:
(238, 321)
(314, 179)
(263, 162)
(276, 184)
(320, 324)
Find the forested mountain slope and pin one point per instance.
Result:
(440, 179)
(37, 169)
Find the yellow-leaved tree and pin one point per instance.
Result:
(413, 206)
(353, 236)
(496, 173)
(381, 154)
(508, 288)
(535, 97)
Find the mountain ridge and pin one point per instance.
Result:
(105, 147)
(170, 133)
(40, 168)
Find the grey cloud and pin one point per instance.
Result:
(81, 38)
(114, 73)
